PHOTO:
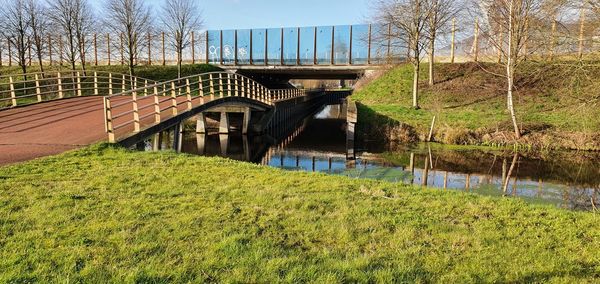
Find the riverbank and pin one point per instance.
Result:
(557, 105)
(105, 214)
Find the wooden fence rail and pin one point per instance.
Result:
(134, 109)
(18, 90)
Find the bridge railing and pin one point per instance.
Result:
(131, 110)
(31, 88)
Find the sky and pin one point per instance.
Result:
(241, 14)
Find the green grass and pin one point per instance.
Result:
(560, 96)
(104, 214)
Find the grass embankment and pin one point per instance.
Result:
(103, 214)
(557, 105)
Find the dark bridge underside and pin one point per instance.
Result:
(279, 75)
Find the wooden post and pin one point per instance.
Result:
(453, 42)
(50, 48)
(164, 59)
(173, 99)
(212, 86)
(581, 33)
(145, 88)
(193, 43)
(109, 123)
(108, 48)
(476, 41)
(221, 89)
(149, 49)
(60, 50)
(95, 83)
(13, 95)
(78, 84)
(201, 89)
(59, 83)
(156, 105)
(136, 113)
(37, 88)
(123, 88)
(228, 84)
(430, 137)
(110, 84)
(236, 85)
(207, 48)
(29, 55)
(122, 51)
(9, 53)
(95, 50)
(188, 93)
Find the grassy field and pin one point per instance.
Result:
(560, 97)
(105, 214)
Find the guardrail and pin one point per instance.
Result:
(129, 111)
(31, 88)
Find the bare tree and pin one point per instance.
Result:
(181, 18)
(38, 22)
(408, 20)
(442, 12)
(15, 27)
(84, 25)
(72, 19)
(514, 19)
(132, 19)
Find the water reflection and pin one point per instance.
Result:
(319, 144)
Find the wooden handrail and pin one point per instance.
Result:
(190, 92)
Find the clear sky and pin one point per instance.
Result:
(231, 14)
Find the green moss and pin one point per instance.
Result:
(105, 214)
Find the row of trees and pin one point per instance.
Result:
(514, 28)
(25, 24)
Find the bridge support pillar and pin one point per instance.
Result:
(246, 123)
(201, 123)
(224, 123)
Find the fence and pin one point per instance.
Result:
(18, 90)
(128, 111)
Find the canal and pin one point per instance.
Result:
(318, 143)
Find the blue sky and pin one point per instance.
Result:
(230, 14)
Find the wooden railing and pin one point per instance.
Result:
(18, 90)
(129, 111)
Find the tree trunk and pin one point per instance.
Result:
(431, 60)
(511, 58)
(179, 61)
(415, 92)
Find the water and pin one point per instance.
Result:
(564, 179)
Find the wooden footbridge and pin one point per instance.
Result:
(44, 114)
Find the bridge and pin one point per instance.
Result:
(47, 113)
